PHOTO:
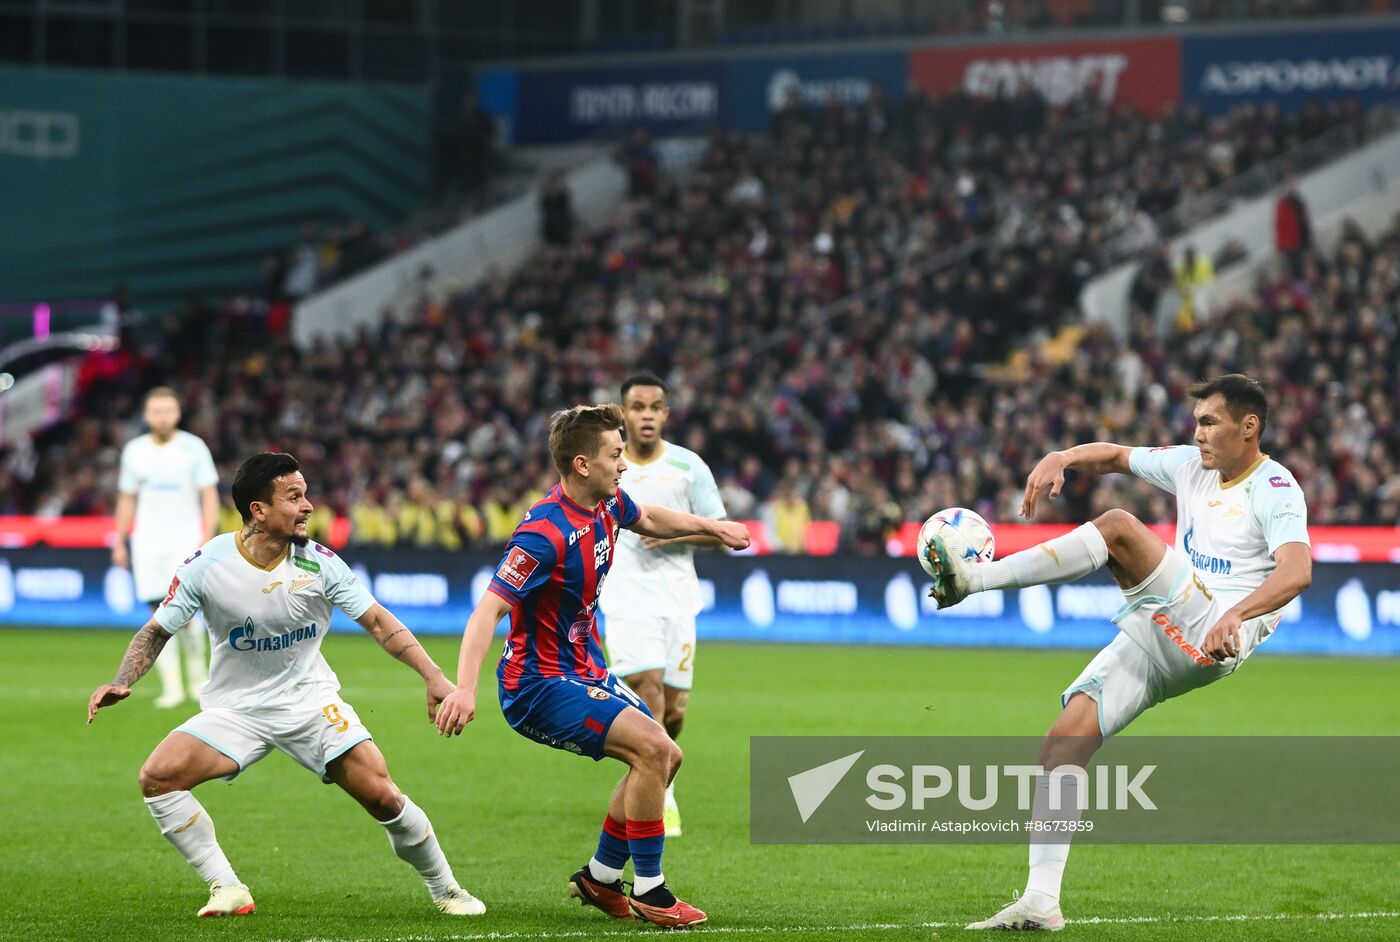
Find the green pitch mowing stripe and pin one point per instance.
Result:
(82, 859)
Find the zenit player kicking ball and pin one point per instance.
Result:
(555, 686)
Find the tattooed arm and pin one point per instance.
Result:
(141, 653)
(393, 636)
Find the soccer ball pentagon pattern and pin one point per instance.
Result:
(963, 532)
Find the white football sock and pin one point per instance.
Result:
(643, 885)
(411, 835)
(1063, 559)
(602, 872)
(172, 686)
(194, 645)
(185, 823)
(1048, 860)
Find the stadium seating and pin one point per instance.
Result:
(430, 429)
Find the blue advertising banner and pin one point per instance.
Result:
(758, 87)
(496, 92)
(572, 104)
(1219, 72)
(1352, 608)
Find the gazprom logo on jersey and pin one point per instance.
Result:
(1202, 562)
(246, 639)
(1292, 68)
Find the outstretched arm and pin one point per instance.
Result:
(662, 523)
(460, 708)
(1288, 580)
(141, 653)
(394, 637)
(1093, 458)
(707, 542)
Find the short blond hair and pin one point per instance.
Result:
(579, 431)
(162, 392)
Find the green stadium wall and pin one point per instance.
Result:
(177, 185)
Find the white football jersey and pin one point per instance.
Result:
(1229, 530)
(266, 624)
(166, 480)
(661, 581)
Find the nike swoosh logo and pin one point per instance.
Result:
(271, 587)
(187, 824)
(1053, 555)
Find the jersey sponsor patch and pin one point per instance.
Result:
(1278, 480)
(582, 629)
(197, 554)
(310, 565)
(517, 568)
(174, 584)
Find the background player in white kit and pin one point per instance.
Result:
(169, 485)
(267, 593)
(1192, 613)
(652, 595)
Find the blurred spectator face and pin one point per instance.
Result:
(645, 412)
(1220, 436)
(162, 415)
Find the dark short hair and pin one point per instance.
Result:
(1242, 394)
(579, 431)
(253, 479)
(643, 379)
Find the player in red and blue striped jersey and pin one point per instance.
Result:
(554, 683)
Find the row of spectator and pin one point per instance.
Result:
(430, 429)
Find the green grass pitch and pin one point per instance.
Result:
(83, 860)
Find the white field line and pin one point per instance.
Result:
(504, 936)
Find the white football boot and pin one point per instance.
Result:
(1018, 915)
(951, 571)
(458, 902)
(231, 899)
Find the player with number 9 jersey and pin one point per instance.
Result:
(267, 594)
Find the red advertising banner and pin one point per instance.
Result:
(1144, 73)
(1329, 544)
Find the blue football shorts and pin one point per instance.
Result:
(568, 713)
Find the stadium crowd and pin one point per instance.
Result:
(430, 429)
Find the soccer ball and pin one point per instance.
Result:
(963, 532)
